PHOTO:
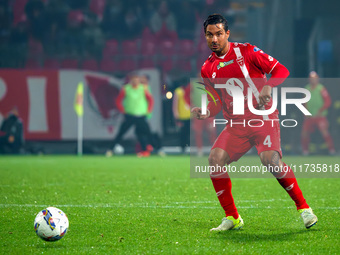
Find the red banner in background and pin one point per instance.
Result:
(104, 94)
(45, 101)
(36, 96)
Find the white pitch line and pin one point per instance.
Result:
(128, 206)
(238, 201)
(180, 204)
(147, 206)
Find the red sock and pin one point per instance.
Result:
(288, 181)
(222, 185)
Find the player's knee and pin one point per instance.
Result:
(217, 158)
(214, 159)
(270, 158)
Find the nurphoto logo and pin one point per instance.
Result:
(235, 89)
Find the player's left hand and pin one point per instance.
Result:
(265, 95)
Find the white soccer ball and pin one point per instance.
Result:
(51, 224)
(118, 149)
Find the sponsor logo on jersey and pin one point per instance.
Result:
(270, 58)
(224, 64)
(213, 75)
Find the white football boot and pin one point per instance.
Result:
(229, 223)
(308, 217)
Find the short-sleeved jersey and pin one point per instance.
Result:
(245, 66)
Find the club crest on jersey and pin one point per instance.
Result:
(223, 64)
(240, 60)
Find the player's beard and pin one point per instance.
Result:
(218, 50)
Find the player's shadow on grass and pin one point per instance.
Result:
(245, 235)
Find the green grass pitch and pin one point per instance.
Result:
(127, 205)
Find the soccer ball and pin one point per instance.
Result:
(118, 149)
(51, 224)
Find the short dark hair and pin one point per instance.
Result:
(215, 19)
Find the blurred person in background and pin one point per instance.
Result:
(199, 126)
(113, 20)
(36, 17)
(78, 4)
(93, 35)
(135, 102)
(186, 14)
(56, 14)
(163, 21)
(19, 35)
(73, 36)
(6, 18)
(11, 133)
(147, 10)
(318, 104)
(56, 19)
(133, 24)
(123, 20)
(18, 41)
(181, 111)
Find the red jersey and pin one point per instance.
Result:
(244, 65)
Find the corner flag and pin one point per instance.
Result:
(79, 99)
(79, 109)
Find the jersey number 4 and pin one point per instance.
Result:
(267, 141)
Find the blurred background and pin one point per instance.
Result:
(48, 47)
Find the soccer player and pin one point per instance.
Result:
(318, 104)
(243, 61)
(135, 102)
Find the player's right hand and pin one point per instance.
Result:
(197, 113)
(265, 95)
